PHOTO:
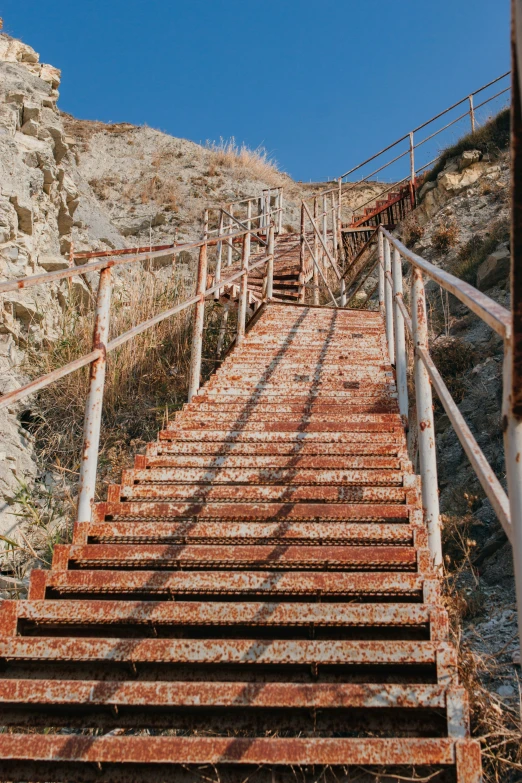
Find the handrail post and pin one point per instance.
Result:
(205, 224)
(243, 295)
(334, 226)
(400, 339)
(269, 288)
(388, 299)
(412, 170)
(302, 252)
(280, 216)
(199, 319)
(339, 211)
(471, 113)
(316, 253)
(94, 404)
(512, 427)
(425, 423)
(325, 227)
(381, 273)
(231, 229)
(219, 251)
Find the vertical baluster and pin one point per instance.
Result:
(425, 424)
(334, 226)
(512, 427)
(269, 287)
(280, 215)
(381, 273)
(243, 296)
(94, 404)
(471, 113)
(302, 259)
(199, 319)
(412, 171)
(230, 230)
(388, 299)
(219, 253)
(325, 228)
(316, 252)
(400, 339)
(222, 331)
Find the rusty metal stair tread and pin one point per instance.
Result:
(221, 583)
(225, 694)
(82, 612)
(275, 652)
(259, 493)
(216, 750)
(284, 511)
(341, 532)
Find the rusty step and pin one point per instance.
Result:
(221, 556)
(18, 617)
(252, 511)
(406, 585)
(274, 532)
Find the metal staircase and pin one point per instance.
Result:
(259, 599)
(257, 591)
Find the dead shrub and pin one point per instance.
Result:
(445, 236)
(101, 187)
(453, 358)
(164, 193)
(412, 231)
(477, 249)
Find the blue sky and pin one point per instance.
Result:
(321, 84)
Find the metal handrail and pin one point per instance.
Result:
(397, 319)
(470, 113)
(97, 357)
(343, 188)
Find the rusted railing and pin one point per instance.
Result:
(104, 262)
(398, 321)
(320, 245)
(340, 188)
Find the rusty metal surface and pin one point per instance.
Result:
(268, 552)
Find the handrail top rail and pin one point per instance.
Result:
(81, 361)
(20, 283)
(428, 122)
(247, 199)
(492, 313)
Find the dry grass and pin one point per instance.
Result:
(243, 161)
(159, 191)
(497, 724)
(146, 377)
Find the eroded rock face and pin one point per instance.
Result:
(458, 175)
(40, 192)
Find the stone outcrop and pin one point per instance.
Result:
(457, 175)
(495, 269)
